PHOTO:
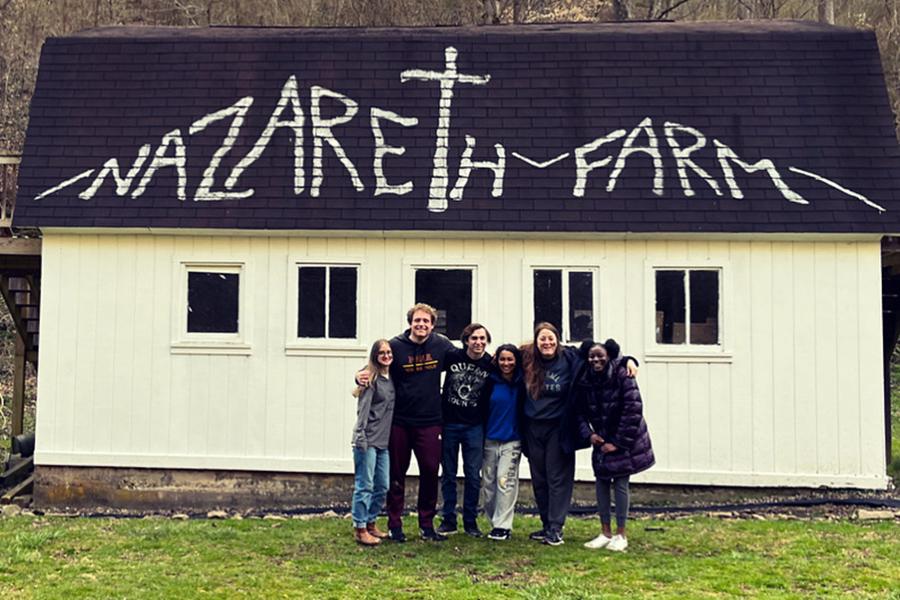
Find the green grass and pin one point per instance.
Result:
(57, 557)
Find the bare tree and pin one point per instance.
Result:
(518, 11)
(491, 12)
(826, 11)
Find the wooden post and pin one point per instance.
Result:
(18, 399)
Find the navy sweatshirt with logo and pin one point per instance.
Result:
(416, 372)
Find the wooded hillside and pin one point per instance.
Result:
(25, 24)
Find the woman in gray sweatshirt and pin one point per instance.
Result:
(374, 414)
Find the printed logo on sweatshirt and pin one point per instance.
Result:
(465, 381)
(552, 386)
(420, 362)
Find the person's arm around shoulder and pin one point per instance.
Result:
(630, 362)
(362, 377)
(443, 343)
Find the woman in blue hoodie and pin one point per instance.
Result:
(503, 397)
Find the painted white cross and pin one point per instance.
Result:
(437, 192)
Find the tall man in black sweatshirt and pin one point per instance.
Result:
(419, 356)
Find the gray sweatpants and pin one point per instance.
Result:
(500, 481)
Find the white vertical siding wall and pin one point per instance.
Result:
(796, 399)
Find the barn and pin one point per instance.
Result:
(230, 216)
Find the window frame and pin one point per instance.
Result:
(185, 342)
(295, 345)
(660, 352)
(565, 267)
(409, 284)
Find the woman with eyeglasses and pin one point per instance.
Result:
(371, 461)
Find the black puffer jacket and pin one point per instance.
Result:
(610, 405)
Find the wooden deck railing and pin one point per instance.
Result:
(9, 170)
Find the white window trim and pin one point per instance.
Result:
(184, 342)
(297, 346)
(409, 283)
(700, 353)
(567, 266)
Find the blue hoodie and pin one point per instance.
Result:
(504, 401)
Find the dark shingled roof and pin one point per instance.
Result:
(809, 98)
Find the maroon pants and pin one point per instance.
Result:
(425, 442)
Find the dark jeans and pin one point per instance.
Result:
(425, 442)
(552, 472)
(471, 439)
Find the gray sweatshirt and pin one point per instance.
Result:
(374, 413)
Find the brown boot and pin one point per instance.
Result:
(362, 537)
(373, 530)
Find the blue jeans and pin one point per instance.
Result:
(471, 439)
(371, 467)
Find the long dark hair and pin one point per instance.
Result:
(511, 348)
(532, 363)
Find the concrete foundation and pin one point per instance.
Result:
(185, 490)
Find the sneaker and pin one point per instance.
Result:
(554, 538)
(430, 535)
(601, 541)
(538, 536)
(397, 535)
(447, 527)
(472, 530)
(499, 534)
(618, 543)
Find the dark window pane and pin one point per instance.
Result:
(212, 302)
(581, 305)
(704, 287)
(449, 291)
(311, 304)
(670, 307)
(548, 297)
(342, 303)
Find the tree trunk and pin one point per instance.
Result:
(826, 11)
(620, 10)
(491, 14)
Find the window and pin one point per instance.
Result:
(565, 297)
(213, 302)
(212, 312)
(687, 306)
(327, 302)
(449, 291)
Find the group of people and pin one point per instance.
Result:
(543, 399)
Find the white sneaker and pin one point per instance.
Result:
(618, 543)
(601, 541)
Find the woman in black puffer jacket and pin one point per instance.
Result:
(610, 416)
